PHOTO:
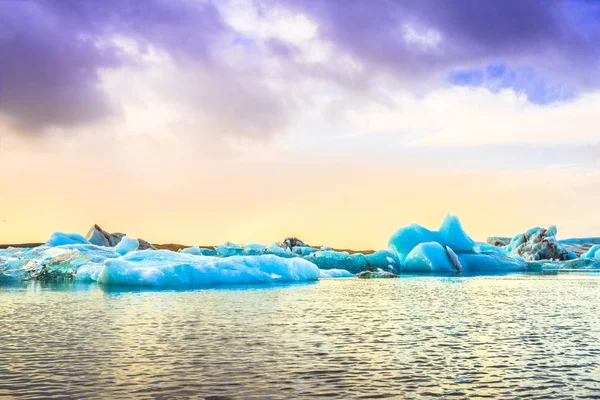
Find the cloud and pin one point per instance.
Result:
(244, 68)
(424, 39)
(56, 56)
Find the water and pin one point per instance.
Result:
(514, 336)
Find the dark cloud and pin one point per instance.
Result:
(556, 37)
(51, 52)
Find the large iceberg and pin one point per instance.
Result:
(166, 268)
(123, 265)
(450, 249)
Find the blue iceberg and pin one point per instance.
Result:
(127, 245)
(592, 253)
(428, 257)
(405, 239)
(335, 273)
(60, 239)
(453, 235)
(166, 268)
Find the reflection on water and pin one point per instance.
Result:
(515, 336)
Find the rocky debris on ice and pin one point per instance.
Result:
(539, 244)
(498, 241)
(375, 275)
(100, 237)
(291, 242)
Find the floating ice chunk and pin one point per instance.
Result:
(61, 238)
(428, 257)
(127, 245)
(353, 263)
(198, 251)
(277, 250)
(453, 235)
(405, 239)
(384, 259)
(537, 244)
(326, 248)
(165, 268)
(229, 249)
(43, 263)
(593, 252)
(335, 273)
(489, 263)
(304, 250)
(254, 249)
(488, 248)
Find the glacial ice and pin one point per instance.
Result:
(539, 244)
(385, 260)
(61, 238)
(229, 249)
(335, 273)
(453, 235)
(428, 257)
(127, 245)
(592, 253)
(254, 249)
(304, 250)
(277, 250)
(353, 263)
(166, 268)
(407, 238)
(474, 263)
(451, 249)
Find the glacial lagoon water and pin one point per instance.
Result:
(508, 336)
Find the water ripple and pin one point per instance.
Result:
(501, 337)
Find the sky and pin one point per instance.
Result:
(197, 121)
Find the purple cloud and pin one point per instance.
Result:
(51, 51)
(555, 37)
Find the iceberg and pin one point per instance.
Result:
(304, 250)
(539, 244)
(453, 235)
(60, 238)
(385, 260)
(127, 245)
(166, 268)
(277, 250)
(198, 251)
(428, 257)
(473, 263)
(405, 239)
(254, 249)
(229, 249)
(335, 273)
(592, 253)
(353, 263)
